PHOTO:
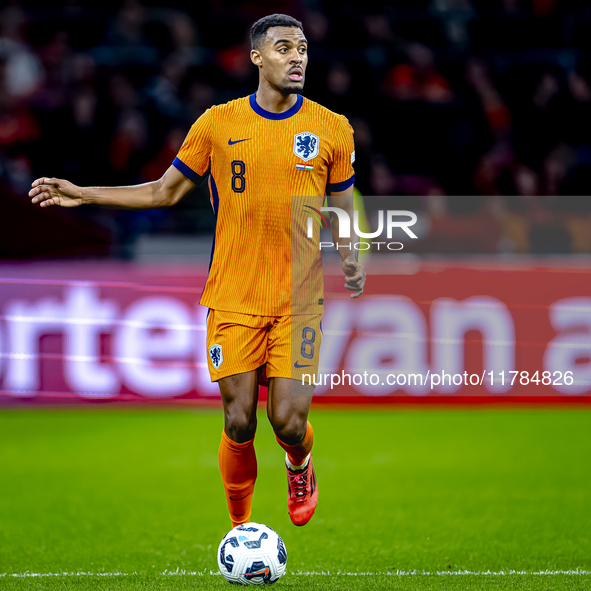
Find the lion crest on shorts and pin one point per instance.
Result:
(215, 354)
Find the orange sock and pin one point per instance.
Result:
(238, 466)
(296, 454)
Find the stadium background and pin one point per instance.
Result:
(475, 115)
(471, 99)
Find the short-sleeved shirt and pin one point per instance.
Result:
(266, 171)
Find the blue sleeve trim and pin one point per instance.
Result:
(188, 172)
(341, 186)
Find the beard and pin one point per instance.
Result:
(293, 87)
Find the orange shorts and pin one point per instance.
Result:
(288, 346)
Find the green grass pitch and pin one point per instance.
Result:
(119, 498)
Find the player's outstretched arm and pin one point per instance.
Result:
(170, 189)
(352, 268)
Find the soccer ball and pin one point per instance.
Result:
(252, 554)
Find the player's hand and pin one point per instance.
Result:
(354, 276)
(49, 191)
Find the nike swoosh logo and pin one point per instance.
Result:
(233, 499)
(297, 365)
(231, 143)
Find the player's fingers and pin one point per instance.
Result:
(41, 190)
(351, 280)
(356, 286)
(38, 188)
(349, 287)
(44, 180)
(357, 279)
(42, 194)
(357, 291)
(48, 202)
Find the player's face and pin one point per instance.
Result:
(283, 59)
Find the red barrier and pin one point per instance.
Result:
(431, 333)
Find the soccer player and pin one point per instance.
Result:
(261, 154)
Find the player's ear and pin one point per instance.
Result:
(256, 58)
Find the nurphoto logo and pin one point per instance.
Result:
(391, 217)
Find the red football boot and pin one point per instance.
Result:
(302, 494)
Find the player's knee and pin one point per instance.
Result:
(290, 429)
(240, 426)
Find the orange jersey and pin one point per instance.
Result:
(263, 167)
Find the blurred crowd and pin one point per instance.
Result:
(475, 112)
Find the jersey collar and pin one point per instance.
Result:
(275, 116)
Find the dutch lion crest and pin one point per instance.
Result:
(306, 145)
(215, 354)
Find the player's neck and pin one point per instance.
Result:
(274, 101)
